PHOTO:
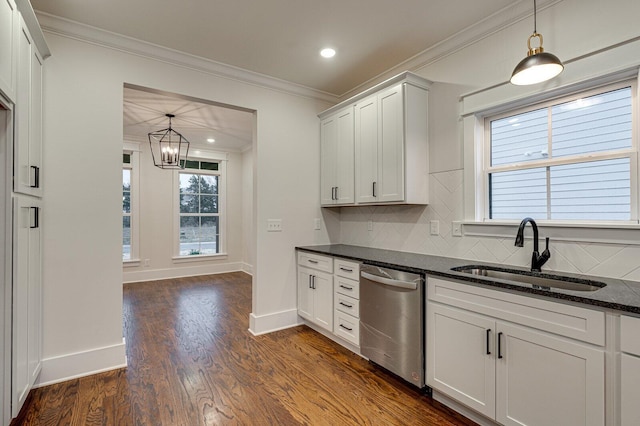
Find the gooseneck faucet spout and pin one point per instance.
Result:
(537, 259)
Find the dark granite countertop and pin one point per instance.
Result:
(621, 295)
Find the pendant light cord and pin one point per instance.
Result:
(535, 30)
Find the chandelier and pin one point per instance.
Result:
(169, 149)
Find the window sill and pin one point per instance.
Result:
(606, 233)
(199, 258)
(130, 263)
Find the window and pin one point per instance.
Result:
(126, 207)
(571, 159)
(200, 207)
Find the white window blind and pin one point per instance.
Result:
(569, 160)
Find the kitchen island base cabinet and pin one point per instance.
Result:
(511, 371)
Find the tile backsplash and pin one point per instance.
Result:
(407, 228)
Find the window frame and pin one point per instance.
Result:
(483, 185)
(222, 208)
(133, 150)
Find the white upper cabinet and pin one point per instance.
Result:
(336, 158)
(390, 134)
(8, 19)
(28, 135)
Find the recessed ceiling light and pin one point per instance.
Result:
(211, 140)
(327, 52)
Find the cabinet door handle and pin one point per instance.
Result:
(346, 305)
(346, 269)
(346, 328)
(313, 282)
(35, 223)
(333, 192)
(374, 189)
(346, 288)
(488, 336)
(336, 193)
(312, 261)
(36, 177)
(500, 346)
(310, 281)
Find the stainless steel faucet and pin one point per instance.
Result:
(537, 260)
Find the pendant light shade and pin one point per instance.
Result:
(169, 149)
(539, 65)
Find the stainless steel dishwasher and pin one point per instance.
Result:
(392, 321)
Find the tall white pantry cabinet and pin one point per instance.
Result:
(23, 50)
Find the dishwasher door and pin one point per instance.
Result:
(392, 321)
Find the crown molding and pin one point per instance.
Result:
(492, 24)
(71, 29)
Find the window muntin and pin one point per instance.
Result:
(199, 213)
(126, 213)
(570, 160)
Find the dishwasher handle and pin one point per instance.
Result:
(390, 282)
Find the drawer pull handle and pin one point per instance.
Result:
(346, 328)
(346, 305)
(346, 269)
(312, 261)
(346, 288)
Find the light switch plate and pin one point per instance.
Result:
(316, 224)
(274, 225)
(456, 228)
(370, 225)
(435, 227)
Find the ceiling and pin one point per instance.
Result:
(277, 38)
(282, 38)
(144, 112)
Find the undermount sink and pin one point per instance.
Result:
(536, 280)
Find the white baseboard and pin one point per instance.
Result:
(79, 364)
(188, 271)
(263, 324)
(247, 268)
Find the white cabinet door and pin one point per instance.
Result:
(8, 19)
(337, 163)
(545, 380)
(28, 116)
(460, 358)
(391, 145)
(344, 159)
(27, 298)
(366, 134)
(630, 383)
(322, 284)
(315, 297)
(328, 166)
(305, 293)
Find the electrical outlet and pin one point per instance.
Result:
(456, 228)
(435, 227)
(316, 224)
(274, 225)
(370, 225)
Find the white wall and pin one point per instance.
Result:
(571, 29)
(248, 253)
(156, 222)
(82, 173)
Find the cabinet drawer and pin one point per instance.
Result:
(630, 335)
(347, 287)
(347, 304)
(565, 320)
(347, 269)
(347, 327)
(315, 261)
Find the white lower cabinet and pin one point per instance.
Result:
(27, 298)
(315, 289)
(629, 370)
(346, 301)
(489, 351)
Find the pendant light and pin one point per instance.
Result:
(539, 65)
(169, 149)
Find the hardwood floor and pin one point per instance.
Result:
(192, 361)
